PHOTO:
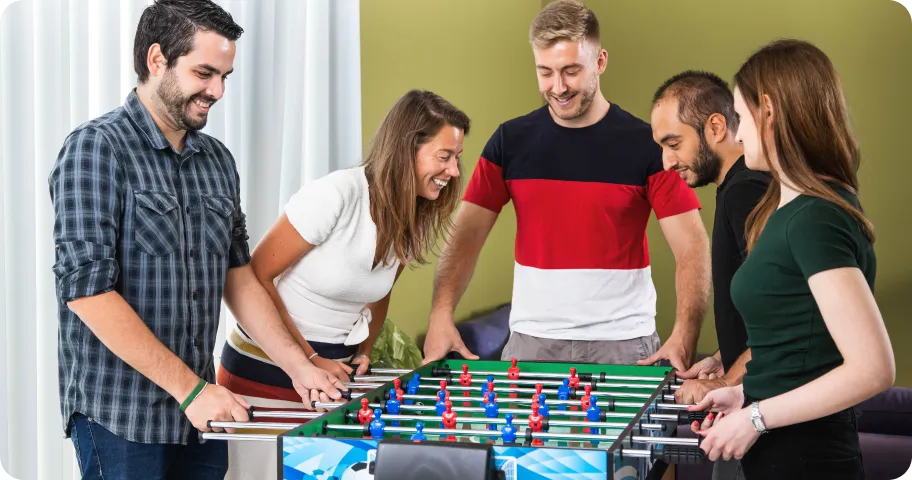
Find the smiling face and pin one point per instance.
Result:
(568, 76)
(437, 162)
(683, 149)
(187, 91)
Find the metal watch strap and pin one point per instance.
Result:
(757, 418)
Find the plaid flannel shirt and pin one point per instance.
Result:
(161, 228)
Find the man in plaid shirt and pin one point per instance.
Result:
(150, 237)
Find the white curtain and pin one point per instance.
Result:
(291, 113)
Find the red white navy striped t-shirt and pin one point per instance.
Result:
(583, 197)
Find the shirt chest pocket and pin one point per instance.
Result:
(157, 223)
(217, 223)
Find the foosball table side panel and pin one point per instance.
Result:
(312, 458)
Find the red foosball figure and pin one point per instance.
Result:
(513, 371)
(585, 402)
(574, 380)
(535, 423)
(538, 389)
(446, 393)
(365, 414)
(449, 419)
(465, 379)
(513, 374)
(397, 384)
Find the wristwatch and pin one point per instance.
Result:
(756, 418)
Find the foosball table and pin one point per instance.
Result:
(484, 420)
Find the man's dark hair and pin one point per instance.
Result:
(172, 24)
(699, 94)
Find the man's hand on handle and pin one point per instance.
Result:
(216, 403)
(443, 338)
(675, 351)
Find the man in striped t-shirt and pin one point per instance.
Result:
(584, 176)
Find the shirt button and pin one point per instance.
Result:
(193, 296)
(187, 209)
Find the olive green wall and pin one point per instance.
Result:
(475, 53)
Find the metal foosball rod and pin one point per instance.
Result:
(259, 425)
(258, 437)
(583, 376)
(659, 417)
(681, 417)
(520, 411)
(506, 381)
(574, 403)
(521, 401)
(546, 391)
(361, 385)
(693, 442)
(394, 372)
(503, 421)
(432, 408)
(606, 394)
(283, 414)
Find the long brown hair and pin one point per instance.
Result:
(811, 130)
(408, 224)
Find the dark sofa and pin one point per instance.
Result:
(885, 421)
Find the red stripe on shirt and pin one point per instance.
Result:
(487, 187)
(669, 194)
(580, 225)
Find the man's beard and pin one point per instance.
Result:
(178, 105)
(706, 167)
(586, 97)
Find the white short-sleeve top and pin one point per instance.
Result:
(327, 290)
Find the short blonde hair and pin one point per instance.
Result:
(564, 20)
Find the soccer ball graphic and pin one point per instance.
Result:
(358, 471)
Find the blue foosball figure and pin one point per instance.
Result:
(392, 406)
(593, 415)
(491, 409)
(377, 426)
(543, 409)
(563, 393)
(419, 436)
(440, 407)
(411, 388)
(508, 432)
(484, 386)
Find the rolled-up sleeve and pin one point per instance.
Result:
(239, 251)
(86, 186)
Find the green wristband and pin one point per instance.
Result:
(195, 393)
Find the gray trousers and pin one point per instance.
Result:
(619, 352)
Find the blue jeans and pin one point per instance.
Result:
(103, 455)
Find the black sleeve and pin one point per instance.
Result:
(739, 201)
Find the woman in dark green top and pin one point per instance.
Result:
(817, 338)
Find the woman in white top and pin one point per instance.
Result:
(330, 261)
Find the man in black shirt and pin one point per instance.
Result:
(694, 120)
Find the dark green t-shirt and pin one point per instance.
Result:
(789, 341)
